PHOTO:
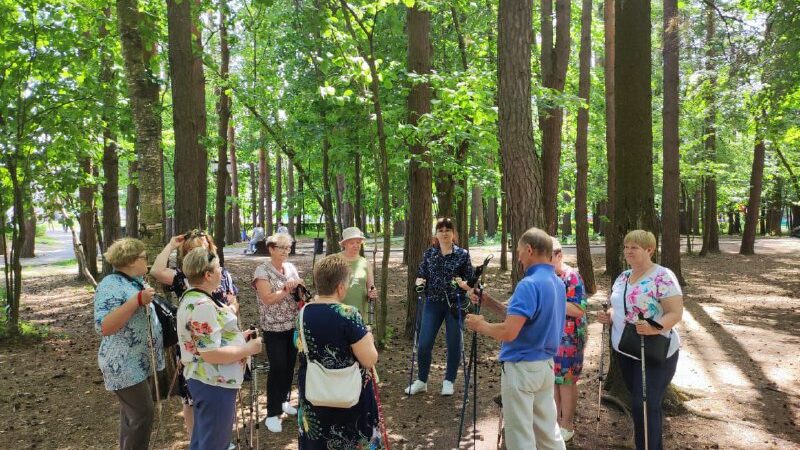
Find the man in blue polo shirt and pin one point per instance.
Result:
(529, 336)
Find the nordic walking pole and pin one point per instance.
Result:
(254, 381)
(601, 375)
(644, 385)
(381, 421)
(153, 365)
(420, 288)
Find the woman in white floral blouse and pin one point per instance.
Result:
(214, 352)
(649, 296)
(274, 282)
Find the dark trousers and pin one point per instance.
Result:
(658, 379)
(214, 412)
(282, 356)
(434, 313)
(135, 416)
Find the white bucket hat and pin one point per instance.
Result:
(351, 233)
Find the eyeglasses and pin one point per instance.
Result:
(283, 247)
(141, 257)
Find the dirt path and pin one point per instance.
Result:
(739, 366)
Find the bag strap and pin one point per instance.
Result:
(132, 280)
(652, 322)
(303, 334)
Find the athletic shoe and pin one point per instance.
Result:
(232, 446)
(416, 387)
(566, 434)
(273, 424)
(447, 388)
(289, 409)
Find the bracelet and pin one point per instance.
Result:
(139, 298)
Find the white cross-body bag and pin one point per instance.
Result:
(333, 388)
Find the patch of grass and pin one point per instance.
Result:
(27, 331)
(66, 263)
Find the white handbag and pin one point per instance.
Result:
(333, 388)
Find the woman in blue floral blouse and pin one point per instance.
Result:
(441, 264)
(131, 339)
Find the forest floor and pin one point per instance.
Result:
(738, 368)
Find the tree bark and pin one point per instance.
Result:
(221, 230)
(583, 249)
(420, 196)
(710, 225)
(29, 241)
(111, 214)
(254, 203)
(522, 171)
(613, 265)
(143, 91)
(340, 207)
(290, 200)
(236, 211)
(132, 203)
(278, 187)
(754, 202)
(566, 217)
(88, 235)
(188, 115)
(359, 208)
(670, 218)
(477, 206)
(554, 61)
(327, 206)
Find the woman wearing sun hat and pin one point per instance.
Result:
(361, 287)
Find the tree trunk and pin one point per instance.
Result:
(143, 91)
(111, 215)
(359, 208)
(290, 200)
(583, 249)
(132, 203)
(697, 207)
(491, 216)
(754, 202)
(188, 115)
(88, 236)
(775, 209)
(29, 242)
(671, 241)
(566, 218)
(554, 61)
(634, 203)
(254, 203)
(236, 211)
(420, 197)
(477, 206)
(278, 187)
(613, 265)
(327, 199)
(522, 172)
(221, 229)
(340, 207)
(710, 225)
(299, 229)
(445, 195)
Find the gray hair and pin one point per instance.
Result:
(538, 240)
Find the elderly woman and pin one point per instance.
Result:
(334, 335)
(131, 339)
(274, 282)
(441, 264)
(361, 288)
(650, 291)
(174, 280)
(568, 360)
(214, 351)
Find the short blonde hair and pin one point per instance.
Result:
(556, 243)
(642, 238)
(277, 239)
(331, 271)
(197, 262)
(539, 241)
(124, 252)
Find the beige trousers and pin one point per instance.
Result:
(529, 408)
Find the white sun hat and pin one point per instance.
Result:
(351, 233)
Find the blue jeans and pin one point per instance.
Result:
(214, 412)
(658, 379)
(432, 316)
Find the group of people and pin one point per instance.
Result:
(542, 336)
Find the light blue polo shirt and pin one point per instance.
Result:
(540, 298)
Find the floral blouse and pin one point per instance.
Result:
(124, 357)
(282, 315)
(439, 270)
(202, 325)
(644, 297)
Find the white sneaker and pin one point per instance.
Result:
(416, 387)
(447, 388)
(566, 434)
(273, 424)
(289, 409)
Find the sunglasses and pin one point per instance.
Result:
(194, 234)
